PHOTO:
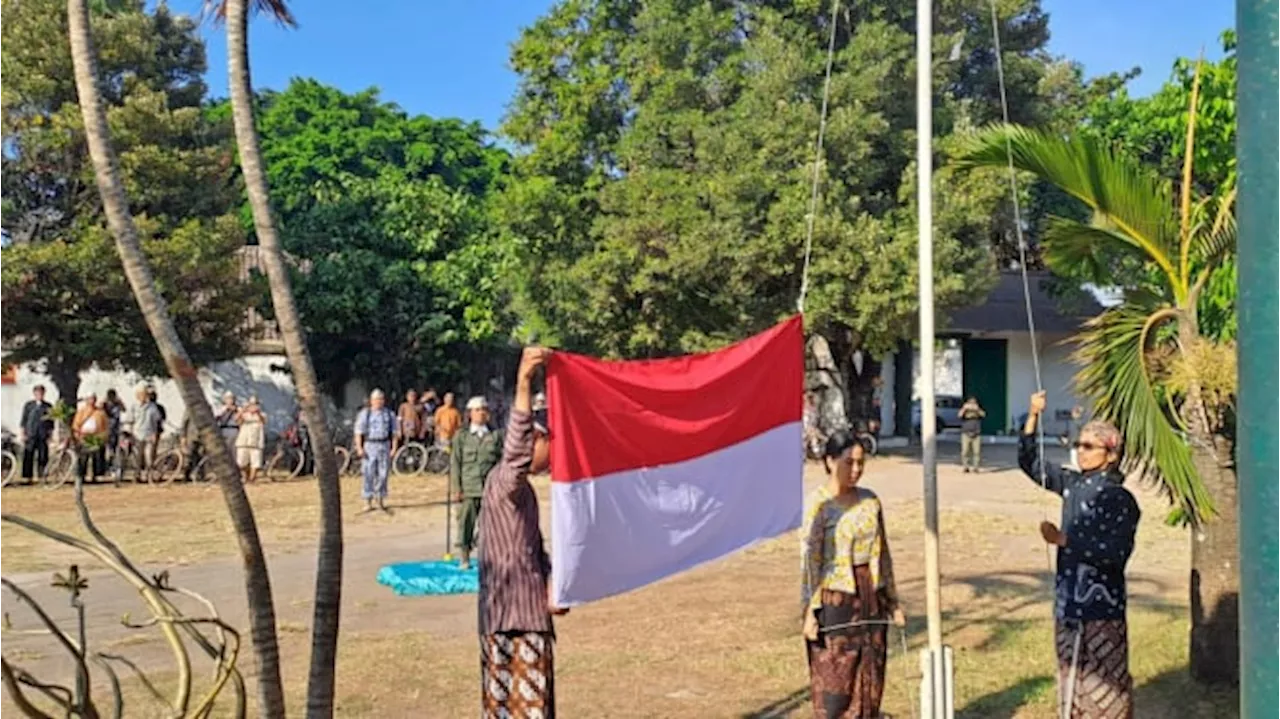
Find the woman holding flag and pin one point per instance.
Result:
(848, 591)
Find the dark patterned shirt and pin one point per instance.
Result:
(35, 420)
(1099, 519)
(514, 566)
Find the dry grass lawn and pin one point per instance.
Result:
(719, 641)
(179, 525)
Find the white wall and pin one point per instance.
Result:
(244, 376)
(887, 397)
(948, 372)
(1057, 372)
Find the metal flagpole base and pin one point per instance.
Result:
(937, 684)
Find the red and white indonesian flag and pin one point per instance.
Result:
(660, 465)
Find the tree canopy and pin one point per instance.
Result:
(1153, 131)
(666, 150)
(387, 215)
(65, 299)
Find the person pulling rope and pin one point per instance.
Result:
(1098, 526)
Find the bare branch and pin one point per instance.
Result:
(16, 694)
(67, 643)
(59, 694)
(142, 677)
(117, 697)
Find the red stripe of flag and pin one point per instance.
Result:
(614, 416)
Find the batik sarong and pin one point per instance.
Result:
(517, 674)
(1100, 687)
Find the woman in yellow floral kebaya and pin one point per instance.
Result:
(849, 593)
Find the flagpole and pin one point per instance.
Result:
(935, 689)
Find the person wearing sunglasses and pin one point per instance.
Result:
(1099, 521)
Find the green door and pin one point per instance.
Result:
(984, 364)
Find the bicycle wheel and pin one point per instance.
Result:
(166, 468)
(437, 461)
(9, 470)
(343, 455)
(869, 443)
(201, 473)
(409, 459)
(286, 464)
(61, 468)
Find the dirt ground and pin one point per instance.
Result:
(718, 641)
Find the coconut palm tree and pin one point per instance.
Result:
(1150, 364)
(154, 309)
(328, 595)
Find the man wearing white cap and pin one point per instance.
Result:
(376, 431)
(474, 453)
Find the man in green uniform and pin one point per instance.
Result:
(475, 451)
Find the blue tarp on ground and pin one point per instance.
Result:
(420, 579)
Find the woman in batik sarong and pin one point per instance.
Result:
(849, 592)
(1099, 520)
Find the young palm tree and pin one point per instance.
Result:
(116, 206)
(1148, 364)
(328, 596)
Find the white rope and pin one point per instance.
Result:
(1069, 701)
(1068, 695)
(817, 159)
(1022, 250)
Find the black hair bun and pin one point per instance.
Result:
(838, 443)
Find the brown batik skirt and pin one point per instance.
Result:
(517, 675)
(847, 664)
(1103, 688)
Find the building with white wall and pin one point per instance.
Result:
(261, 372)
(985, 351)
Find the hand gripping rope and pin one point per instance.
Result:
(1068, 697)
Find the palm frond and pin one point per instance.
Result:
(1071, 247)
(1214, 239)
(1123, 194)
(1112, 352)
(278, 10)
(1188, 164)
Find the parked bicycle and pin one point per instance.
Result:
(417, 457)
(9, 455)
(410, 459)
(127, 459)
(286, 460)
(177, 462)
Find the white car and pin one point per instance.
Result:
(946, 410)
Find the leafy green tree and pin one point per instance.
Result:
(1154, 130)
(66, 303)
(662, 187)
(1151, 364)
(389, 214)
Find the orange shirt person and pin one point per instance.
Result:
(448, 419)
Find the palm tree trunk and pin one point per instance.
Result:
(1215, 543)
(156, 313)
(1215, 576)
(328, 594)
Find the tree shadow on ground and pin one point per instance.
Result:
(996, 605)
(782, 707)
(1005, 703)
(1175, 694)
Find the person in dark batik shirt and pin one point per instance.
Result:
(1099, 522)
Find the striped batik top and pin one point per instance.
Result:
(514, 566)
